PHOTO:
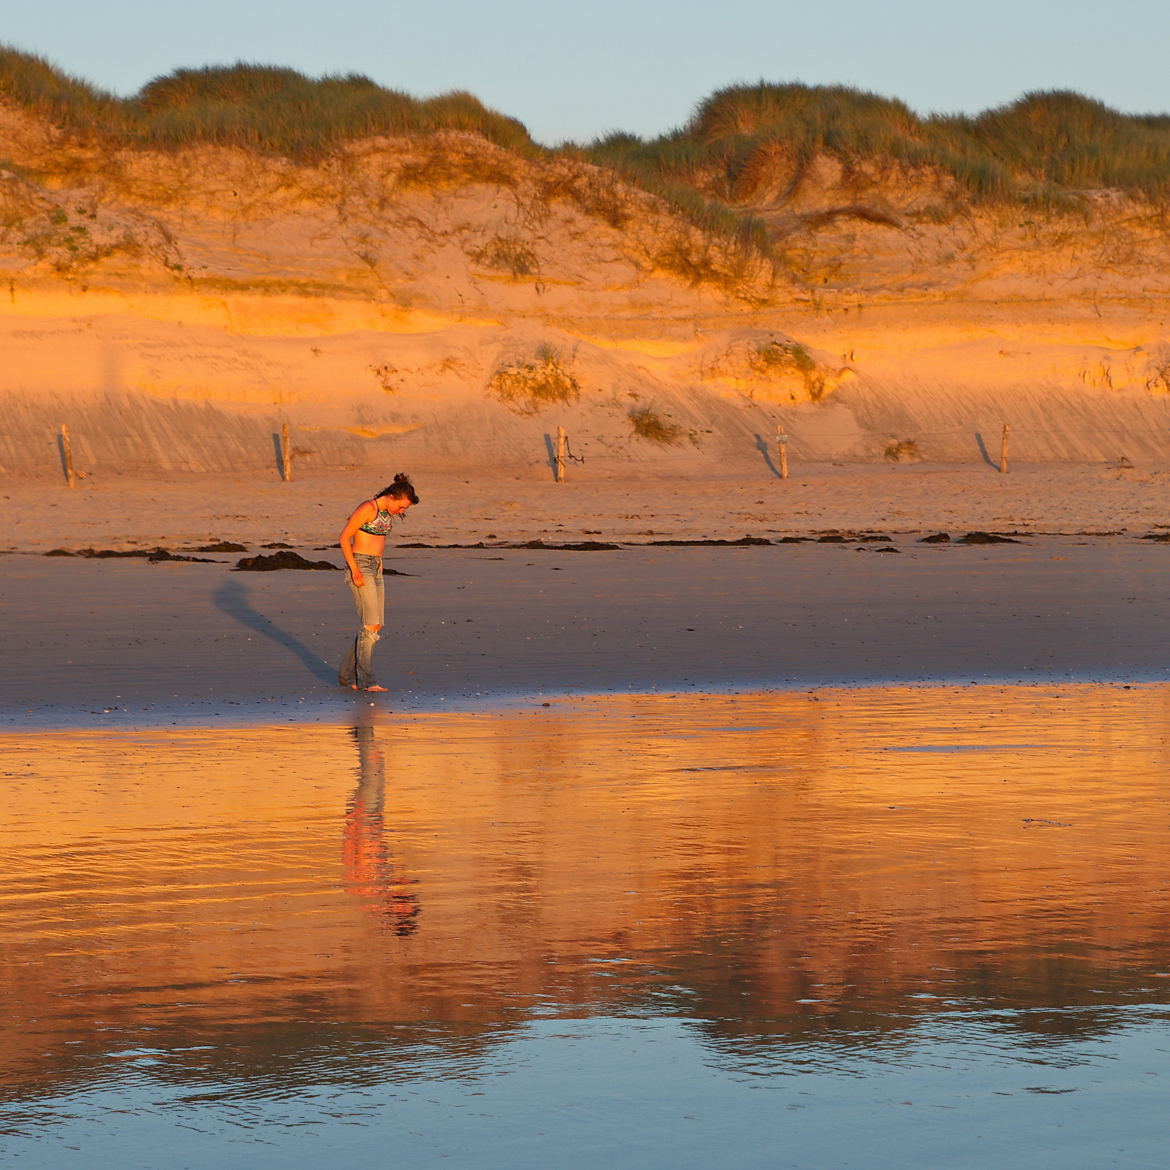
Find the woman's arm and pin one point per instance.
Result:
(363, 512)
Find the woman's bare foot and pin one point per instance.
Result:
(375, 687)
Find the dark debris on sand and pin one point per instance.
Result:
(742, 542)
(150, 555)
(986, 538)
(576, 546)
(838, 537)
(970, 538)
(221, 546)
(280, 560)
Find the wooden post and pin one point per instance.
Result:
(1003, 450)
(67, 456)
(285, 454)
(560, 455)
(782, 444)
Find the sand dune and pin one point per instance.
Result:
(176, 309)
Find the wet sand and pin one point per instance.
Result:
(122, 642)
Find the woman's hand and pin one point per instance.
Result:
(357, 578)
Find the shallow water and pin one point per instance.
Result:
(894, 927)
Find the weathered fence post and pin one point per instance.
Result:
(67, 456)
(1003, 450)
(560, 456)
(782, 444)
(285, 454)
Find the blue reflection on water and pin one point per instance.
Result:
(956, 1091)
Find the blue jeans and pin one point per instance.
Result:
(370, 600)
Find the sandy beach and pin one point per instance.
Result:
(628, 505)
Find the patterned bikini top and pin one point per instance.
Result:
(381, 523)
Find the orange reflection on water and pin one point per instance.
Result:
(769, 863)
(370, 872)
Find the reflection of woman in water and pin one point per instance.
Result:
(369, 872)
(362, 540)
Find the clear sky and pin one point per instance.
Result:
(577, 70)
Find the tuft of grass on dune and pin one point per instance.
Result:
(531, 384)
(647, 423)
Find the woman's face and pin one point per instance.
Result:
(397, 505)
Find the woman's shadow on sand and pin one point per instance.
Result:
(232, 598)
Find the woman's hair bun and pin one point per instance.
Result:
(401, 488)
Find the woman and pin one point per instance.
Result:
(362, 540)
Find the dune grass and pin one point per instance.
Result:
(34, 84)
(265, 108)
(741, 138)
(743, 154)
(1066, 141)
(280, 111)
(731, 149)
